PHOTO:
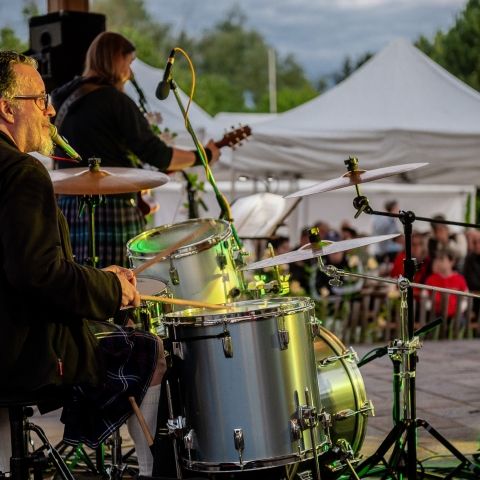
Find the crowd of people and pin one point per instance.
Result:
(444, 258)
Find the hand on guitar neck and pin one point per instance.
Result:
(145, 200)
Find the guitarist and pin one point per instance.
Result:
(100, 120)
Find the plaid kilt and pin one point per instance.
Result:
(117, 220)
(91, 414)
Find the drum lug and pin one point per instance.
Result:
(239, 442)
(315, 328)
(190, 440)
(176, 426)
(227, 345)
(295, 429)
(239, 258)
(283, 335)
(178, 350)
(221, 260)
(174, 277)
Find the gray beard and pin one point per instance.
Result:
(46, 146)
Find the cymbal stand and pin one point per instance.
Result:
(400, 352)
(406, 354)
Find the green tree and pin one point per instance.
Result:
(130, 18)
(458, 50)
(9, 41)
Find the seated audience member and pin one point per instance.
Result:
(386, 251)
(443, 238)
(444, 276)
(420, 254)
(471, 269)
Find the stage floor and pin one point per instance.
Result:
(448, 397)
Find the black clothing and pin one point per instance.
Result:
(106, 124)
(44, 296)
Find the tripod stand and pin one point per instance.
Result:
(404, 353)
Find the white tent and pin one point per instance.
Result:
(400, 107)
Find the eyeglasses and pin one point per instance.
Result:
(41, 101)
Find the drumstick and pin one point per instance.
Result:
(141, 421)
(182, 301)
(167, 251)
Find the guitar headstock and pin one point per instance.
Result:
(230, 139)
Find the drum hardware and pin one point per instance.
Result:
(173, 274)
(364, 410)
(221, 260)
(227, 344)
(351, 355)
(283, 335)
(239, 443)
(308, 420)
(175, 426)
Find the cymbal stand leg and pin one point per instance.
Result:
(91, 202)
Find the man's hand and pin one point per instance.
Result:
(128, 283)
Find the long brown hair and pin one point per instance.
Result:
(103, 53)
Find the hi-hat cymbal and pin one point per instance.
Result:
(112, 180)
(307, 252)
(354, 178)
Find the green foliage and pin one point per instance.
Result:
(349, 66)
(152, 40)
(458, 50)
(9, 41)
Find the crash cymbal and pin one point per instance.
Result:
(111, 180)
(306, 252)
(354, 178)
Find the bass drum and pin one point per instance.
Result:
(342, 391)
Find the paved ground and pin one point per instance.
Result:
(448, 397)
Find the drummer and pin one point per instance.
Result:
(100, 120)
(46, 298)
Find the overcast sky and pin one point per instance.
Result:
(319, 33)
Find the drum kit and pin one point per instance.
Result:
(256, 386)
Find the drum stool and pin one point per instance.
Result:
(19, 407)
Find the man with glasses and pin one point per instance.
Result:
(46, 298)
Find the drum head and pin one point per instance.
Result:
(150, 286)
(149, 243)
(240, 311)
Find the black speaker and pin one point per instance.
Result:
(59, 42)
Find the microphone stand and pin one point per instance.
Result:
(224, 207)
(407, 358)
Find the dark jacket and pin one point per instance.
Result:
(45, 297)
(107, 124)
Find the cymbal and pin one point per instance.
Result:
(306, 252)
(112, 180)
(354, 178)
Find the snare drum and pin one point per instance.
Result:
(248, 381)
(203, 270)
(342, 390)
(149, 315)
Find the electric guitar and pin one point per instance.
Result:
(231, 139)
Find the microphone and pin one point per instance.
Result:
(59, 141)
(163, 88)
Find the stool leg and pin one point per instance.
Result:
(19, 460)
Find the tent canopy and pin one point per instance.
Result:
(399, 107)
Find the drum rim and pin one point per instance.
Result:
(190, 249)
(189, 317)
